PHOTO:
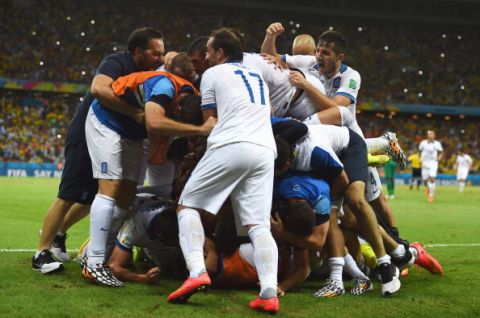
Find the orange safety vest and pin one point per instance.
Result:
(158, 147)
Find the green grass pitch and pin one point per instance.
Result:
(454, 219)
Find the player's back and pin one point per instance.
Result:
(240, 97)
(280, 89)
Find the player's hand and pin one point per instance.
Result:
(152, 276)
(139, 116)
(168, 60)
(275, 29)
(297, 79)
(208, 126)
(272, 60)
(276, 225)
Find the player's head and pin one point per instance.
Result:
(330, 52)
(146, 46)
(182, 66)
(431, 135)
(225, 44)
(298, 217)
(190, 111)
(197, 53)
(303, 44)
(284, 156)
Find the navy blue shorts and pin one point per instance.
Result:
(77, 183)
(354, 158)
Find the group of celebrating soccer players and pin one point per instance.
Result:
(257, 169)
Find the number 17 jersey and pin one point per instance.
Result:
(240, 97)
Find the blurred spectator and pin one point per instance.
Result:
(399, 62)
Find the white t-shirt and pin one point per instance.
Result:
(346, 82)
(464, 161)
(240, 97)
(429, 150)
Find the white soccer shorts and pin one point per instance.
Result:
(113, 157)
(462, 173)
(243, 171)
(373, 188)
(429, 170)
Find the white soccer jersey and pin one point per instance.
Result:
(138, 229)
(280, 89)
(345, 83)
(322, 144)
(429, 151)
(464, 161)
(240, 97)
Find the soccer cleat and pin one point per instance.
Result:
(394, 150)
(389, 277)
(46, 264)
(188, 288)
(271, 305)
(426, 260)
(361, 286)
(377, 160)
(101, 274)
(59, 249)
(331, 289)
(403, 262)
(368, 255)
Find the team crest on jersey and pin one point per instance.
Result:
(352, 84)
(296, 187)
(336, 82)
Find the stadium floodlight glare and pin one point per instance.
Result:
(83, 73)
(92, 21)
(420, 94)
(360, 29)
(444, 36)
(297, 25)
(442, 55)
(330, 28)
(69, 18)
(57, 43)
(87, 49)
(386, 48)
(41, 63)
(420, 72)
(459, 37)
(462, 87)
(291, 22)
(405, 90)
(34, 32)
(82, 34)
(188, 35)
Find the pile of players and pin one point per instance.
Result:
(257, 169)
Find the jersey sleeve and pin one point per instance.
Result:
(439, 147)
(207, 90)
(326, 163)
(111, 66)
(160, 91)
(125, 235)
(420, 147)
(349, 86)
(299, 61)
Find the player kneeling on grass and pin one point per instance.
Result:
(152, 227)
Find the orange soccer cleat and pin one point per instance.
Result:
(188, 288)
(271, 305)
(426, 260)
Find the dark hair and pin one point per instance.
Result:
(199, 44)
(299, 218)
(140, 38)
(182, 62)
(284, 152)
(190, 111)
(231, 41)
(334, 37)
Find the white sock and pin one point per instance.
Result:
(431, 187)
(351, 268)
(335, 264)
(192, 238)
(462, 185)
(376, 145)
(100, 220)
(399, 251)
(118, 217)
(312, 120)
(37, 254)
(61, 233)
(384, 259)
(265, 256)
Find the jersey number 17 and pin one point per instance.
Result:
(256, 78)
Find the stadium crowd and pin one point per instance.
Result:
(39, 136)
(398, 62)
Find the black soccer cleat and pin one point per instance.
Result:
(59, 249)
(389, 277)
(46, 264)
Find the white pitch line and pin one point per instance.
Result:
(20, 250)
